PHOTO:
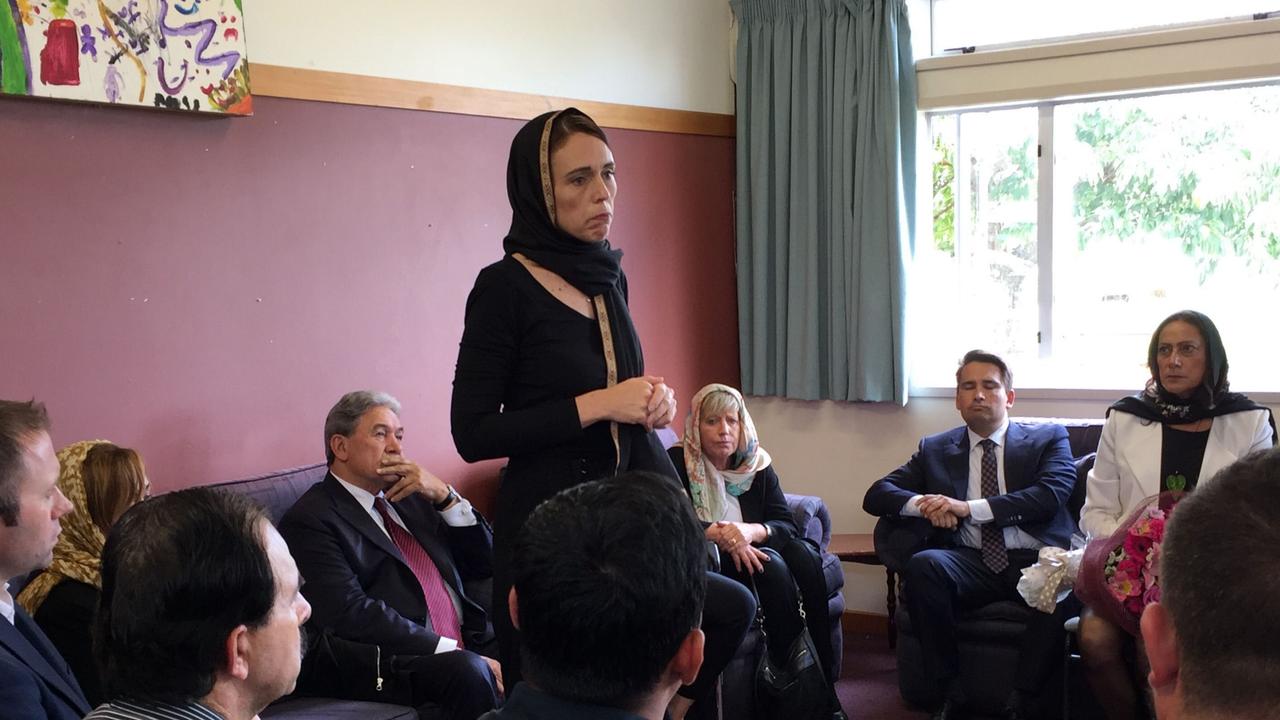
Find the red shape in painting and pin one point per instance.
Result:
(60, 59)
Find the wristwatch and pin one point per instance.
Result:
(447, 501)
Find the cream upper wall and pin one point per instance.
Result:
(657, 53)
(836, 450)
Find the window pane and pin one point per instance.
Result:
(974, 282)
(1164, 203)
(960, 23)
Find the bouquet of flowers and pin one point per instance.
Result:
(1120, 574)
(1117, 576)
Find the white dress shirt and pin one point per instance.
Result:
(967, 533)
(460, 514)
(6, 604)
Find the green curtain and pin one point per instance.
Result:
(826, 131)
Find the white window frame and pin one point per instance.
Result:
(1044, 234)
(1195, 57)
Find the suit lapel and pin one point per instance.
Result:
(1148, 443)
(956, 461)
(34, 650)
(1014, 458)
(349, 510)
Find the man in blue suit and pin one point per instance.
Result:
(388, 551)
(994, 493)
(35, 682)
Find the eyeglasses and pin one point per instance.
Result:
(1184, 350)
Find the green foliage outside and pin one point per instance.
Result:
(1148, 174)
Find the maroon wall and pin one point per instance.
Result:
(204, 289)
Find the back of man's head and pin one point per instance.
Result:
(1220, 584)
(18, 422)
(180, 572)
(610, 580)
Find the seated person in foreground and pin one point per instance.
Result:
(102, 481)
(35, 682)
(201, 612)
(1174, 435)
(737, 496)
(385, 548)
(610, 580)
(995, 492)
(1213, 639)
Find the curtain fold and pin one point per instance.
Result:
(825, 185)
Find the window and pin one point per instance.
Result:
(965, 23)
(1063, 233)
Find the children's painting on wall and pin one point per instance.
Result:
(173, 54)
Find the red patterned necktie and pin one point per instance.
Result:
(444, 617)
(994, 554)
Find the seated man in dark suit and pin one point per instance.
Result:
(35, 682)
(1213, 639)
(994, 492)
(385, 548)
(609, 586)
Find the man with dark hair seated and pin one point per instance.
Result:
(35, 681)
(1213, 639)
(993, 493)
(201, 612)
(608, 593)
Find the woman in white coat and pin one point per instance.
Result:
(1179, 431)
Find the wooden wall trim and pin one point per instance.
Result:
(325, 86)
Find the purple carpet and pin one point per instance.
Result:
(868, 685)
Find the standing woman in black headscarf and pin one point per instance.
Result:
(1183, 428)
(550, 372)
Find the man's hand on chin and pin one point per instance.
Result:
(410, 478)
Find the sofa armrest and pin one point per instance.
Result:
(811, 517)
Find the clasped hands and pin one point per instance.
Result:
(411, 479)
(645, 401)
(943, 511)
(732, 539)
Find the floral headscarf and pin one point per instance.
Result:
(707, 485)
(78, 552)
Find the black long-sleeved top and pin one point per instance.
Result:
(524, 358)
(66, 617)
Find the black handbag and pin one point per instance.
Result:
(797, 688)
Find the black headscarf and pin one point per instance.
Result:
(595, 268)
(1212, 398)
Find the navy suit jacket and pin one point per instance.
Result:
(1038, 473)
(35, 682)
(358, 583)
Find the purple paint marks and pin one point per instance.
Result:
(88, 44)
(112, 84)
(205, 30)
(164, 77)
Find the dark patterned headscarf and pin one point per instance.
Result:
(1213, 397)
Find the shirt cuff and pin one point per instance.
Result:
(446, 645)
(910, 509)
(459, 514)
(980, 512)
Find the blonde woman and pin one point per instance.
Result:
(737, 496)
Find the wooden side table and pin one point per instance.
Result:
(860, 548)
